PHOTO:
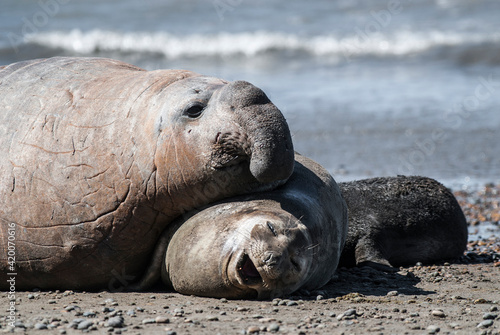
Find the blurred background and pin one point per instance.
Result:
(369, 87)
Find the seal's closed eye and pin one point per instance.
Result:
(271, 227)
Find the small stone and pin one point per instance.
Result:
(40, 326)
(241, 309)
(51, 302)
(107, 310)
(85, 324)
(432, 329)
(212, 318)
(273, 327)
(276, 302)
(485, 324)
(171, 332)
(253, 329)
(292, 303)
(62, 331)
(493, 308)
(489, 316)
(31, 296)
(131, 312)
(89, 314)
(350, 312)
(223, 300)
(115, 322)
(148, 321)
(162, 319)
(438, 313)
(392, 293)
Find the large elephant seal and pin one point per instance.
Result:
(99, 156)
(262, 245)
(395, 221)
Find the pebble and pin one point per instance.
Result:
(392, 293)
(212, 318)
(162, 319)
(485, 324)
(489, 316)
(432, 329)
(84, 324)
(273, 327)
(438, 313)
(148, 321)
(241, 309)
(40, 326)
(253, 329)
(292, 303)
(115, 322)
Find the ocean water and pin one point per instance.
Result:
(369, 87)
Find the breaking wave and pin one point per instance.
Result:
(465, 47)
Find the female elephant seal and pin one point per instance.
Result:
(99, 156)
(262, 245)
(274, 243)
(401, 220)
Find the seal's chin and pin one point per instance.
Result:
(247, 272)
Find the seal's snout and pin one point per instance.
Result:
(271, 150)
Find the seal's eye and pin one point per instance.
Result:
(271, 227)
(194, 111)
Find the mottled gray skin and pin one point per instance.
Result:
(98, 156)
(263, 245)
(397, 221)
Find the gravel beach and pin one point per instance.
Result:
(459, 297)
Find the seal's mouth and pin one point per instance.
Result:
(247, 271)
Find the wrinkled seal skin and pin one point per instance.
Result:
(397, 221)
(99, 156)
(262, 245)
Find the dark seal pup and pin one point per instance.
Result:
(99, 156)
(397, 221)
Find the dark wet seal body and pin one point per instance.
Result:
(99, 156)
(397, 221)
(262, 245)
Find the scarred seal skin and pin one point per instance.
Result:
(395, 221)
(99, 156)
(262, 245)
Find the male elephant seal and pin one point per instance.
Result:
(401, 220)
(261, 245)
(99, 156)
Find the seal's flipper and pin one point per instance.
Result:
(369, 254)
